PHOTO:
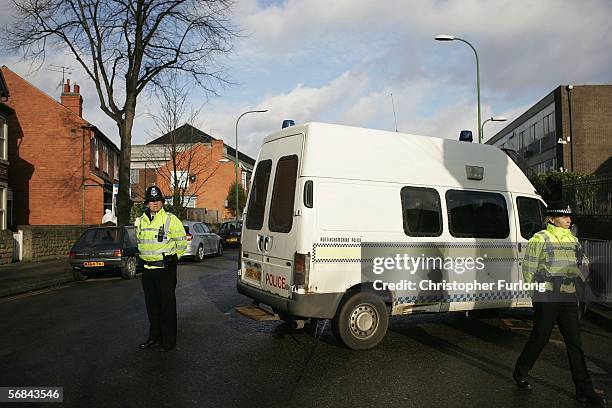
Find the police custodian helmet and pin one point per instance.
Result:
(153, 193)
(558, 209)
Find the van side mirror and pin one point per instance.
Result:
(466, 136)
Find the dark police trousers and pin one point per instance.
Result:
(159, 288)
(565, 314)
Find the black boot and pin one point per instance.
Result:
(147, 344)
(521, 381)
(592, 397)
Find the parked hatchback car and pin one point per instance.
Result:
(230, 232)
(109, 248)
(201, 241)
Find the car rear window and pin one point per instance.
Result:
(101, 236)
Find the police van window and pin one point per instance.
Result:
(283, 194)
(475, 214)
(257, 199)
(421, 212)
(531, 216)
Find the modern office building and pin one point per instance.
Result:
(570, 129)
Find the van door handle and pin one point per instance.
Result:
(260, 243)
(266, 242)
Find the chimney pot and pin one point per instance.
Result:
(67, 86)
(77, 89)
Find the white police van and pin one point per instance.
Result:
(327, 199)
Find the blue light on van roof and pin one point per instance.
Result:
(288, 122)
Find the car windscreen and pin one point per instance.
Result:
(100, 236)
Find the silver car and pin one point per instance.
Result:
(201, 241)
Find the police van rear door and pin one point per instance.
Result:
(280, 230)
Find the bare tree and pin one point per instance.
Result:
(124, 46)
(189, 164)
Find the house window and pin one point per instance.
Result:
(134, 176)
(2, 207)
(3, 138)
(105, 157)
(117, 166)
(95, 153)
(187, 201)
(180, 178)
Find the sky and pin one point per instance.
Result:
(339, 62)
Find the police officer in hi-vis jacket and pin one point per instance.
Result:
(161, 242)
(555, 258)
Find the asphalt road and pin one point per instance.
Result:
(84, 337)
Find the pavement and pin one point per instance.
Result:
(20, 277)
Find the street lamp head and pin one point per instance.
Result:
(499, 118)
(445, 37)
(261, 111)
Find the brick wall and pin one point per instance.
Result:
(591, 109)
(42, 242)
(7, 245)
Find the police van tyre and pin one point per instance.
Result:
(129, 270)
(199, 255)
(78, 276)
(361, 321)
(219, 249)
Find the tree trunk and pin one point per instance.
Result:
(125, 132)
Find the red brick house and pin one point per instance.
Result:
(205, 166)
(62, 168)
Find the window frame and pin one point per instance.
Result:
(276, 228)
(455, 234)
(518, 211)
(440, 218)
(250, 205)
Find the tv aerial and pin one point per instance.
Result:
(65, 70)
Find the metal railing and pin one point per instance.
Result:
(599, 254)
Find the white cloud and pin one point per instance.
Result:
(338, 61)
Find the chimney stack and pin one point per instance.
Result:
(72, 100)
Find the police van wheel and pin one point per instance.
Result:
(78, 276)
(361, 321)
(129, 270)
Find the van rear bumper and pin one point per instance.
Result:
(317, 305)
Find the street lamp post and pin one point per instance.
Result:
(236, 159)
(445, 37)
(491, 119)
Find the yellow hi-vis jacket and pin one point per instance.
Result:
(173, 239)
(555, 253)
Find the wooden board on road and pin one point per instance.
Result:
(255, 312)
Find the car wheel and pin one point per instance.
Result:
(78, 276)
(219, 249)
(199, 255)
(361, 321)
(129, 270)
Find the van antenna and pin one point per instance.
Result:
(393, 105)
